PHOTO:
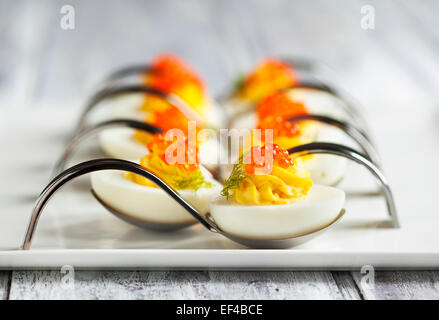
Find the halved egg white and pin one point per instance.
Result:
(318, 209)
(320, 102)
(120, 143)
(235, 106)
(128, 107)
(148, 203)
(325, 169)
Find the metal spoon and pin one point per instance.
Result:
(355, 133)
(87, 132)
(116, 164)
(317, 69)
(134, 70)
(347, 107)
(352, 131)
(298, 63)
(207, 222)
(107, 93)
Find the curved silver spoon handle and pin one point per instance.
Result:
(107, 93)
(306, 64)
(125, 123)
(99, 165)
(318, 69)
(348, 107)
(128, 71)
(351, 154)
(351, 130)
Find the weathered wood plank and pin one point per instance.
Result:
(400, 285)
(346, 285)
(5, 277)
(178, 285)
(275, 285)
(223, 285)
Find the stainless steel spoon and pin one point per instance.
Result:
(89, 131)
(355, 133)
(348, 107)
(317, 69)
(207, 222)
(352, 131)
(297, 63)
(112, 92)
(116, 164)
(133, 70)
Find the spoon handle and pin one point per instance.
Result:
(99, 165)
(351, 154)
(355, 133)
(87, 132)
(344, 125)
(306, 64)
(111, 92)
(324, 74)
(132, 70)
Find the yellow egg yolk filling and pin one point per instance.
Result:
(189, 92)
(282, 186)
(269, 77)
(281, 182)
(178, 176)
(273, 113)
(170, 118)
(172, 75)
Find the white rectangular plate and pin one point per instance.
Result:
(77, 231)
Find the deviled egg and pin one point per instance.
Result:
(273, 112)
(139, 198)
(274, 201)
(269, 76)
(169, 74)
(315, 101)
(127, 143)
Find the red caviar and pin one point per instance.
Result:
(271, 69)
(160, 145)
(280, 127)
(256, 159)
(280, 105)
(170, 74)
(170, 118)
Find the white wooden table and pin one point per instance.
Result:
(394, 63)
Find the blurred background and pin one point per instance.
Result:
(394, 63)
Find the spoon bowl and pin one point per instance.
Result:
(280, 243)
(142, 223)
(248, 242)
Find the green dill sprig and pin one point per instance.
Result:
(238, 174)
(195, 182)
(239, 83)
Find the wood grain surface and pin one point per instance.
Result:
(394, 63)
